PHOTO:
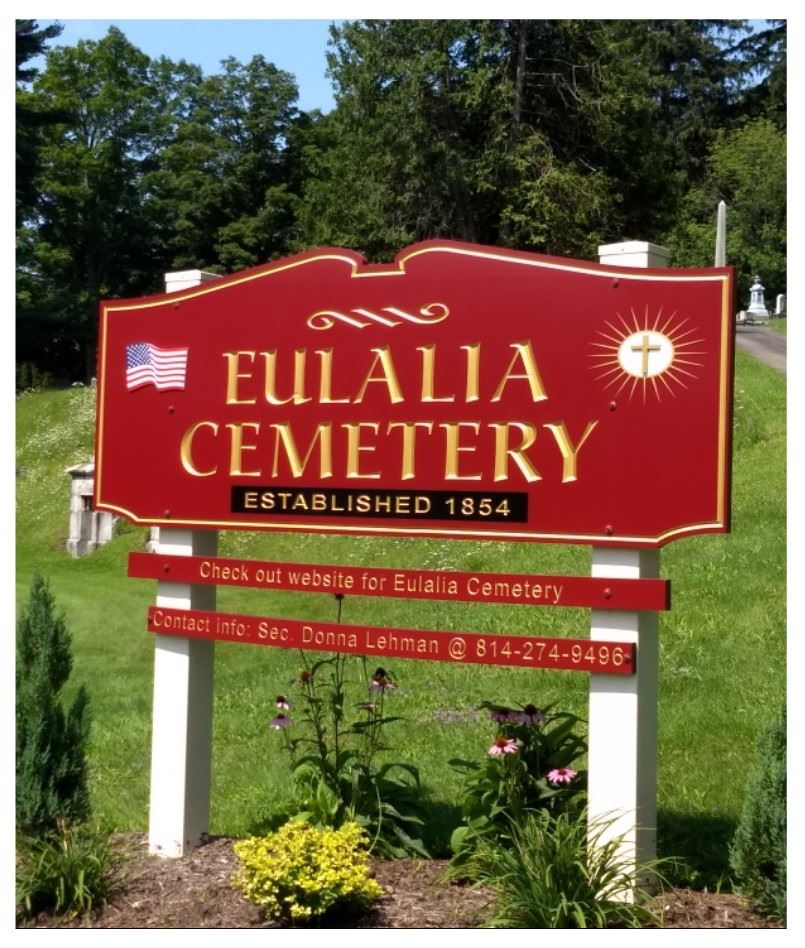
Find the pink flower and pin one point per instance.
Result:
(280, 721)
(561, 775)
(283, 703)
(504, 745)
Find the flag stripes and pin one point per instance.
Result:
(147, 364)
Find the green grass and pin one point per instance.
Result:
(722, 662)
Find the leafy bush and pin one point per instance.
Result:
(302, 872)
(550, 874)
(66, 871)
(758, 851)
(527, 768)
(51, 744)
(29, 378)
(334, 748)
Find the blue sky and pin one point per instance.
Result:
(297, 46)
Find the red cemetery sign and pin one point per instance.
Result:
(607, 658)
(461, 391)
(514, 589)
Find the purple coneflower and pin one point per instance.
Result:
(531, 715)
(503, 745)
(283, 703)
(499, 715)
(380, 681)
(280, 721)
(561, 775)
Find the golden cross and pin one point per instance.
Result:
(644, 348)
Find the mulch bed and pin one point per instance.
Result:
(194, 892)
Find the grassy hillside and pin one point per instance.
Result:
(722, 662)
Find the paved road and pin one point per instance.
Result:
(764, 344)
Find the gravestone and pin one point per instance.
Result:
(89, 528)
(757, 312)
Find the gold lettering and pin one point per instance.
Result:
(354, 447)
(472, 393)
(453, 448)
(326, 379)
(408, 467)
(523, 352)
(569, 450)
(428, 367)
(298, 396)
(237, 447)
(503, 451)
(388, 376)
(322, 434)
(186, 449)
(232, 376)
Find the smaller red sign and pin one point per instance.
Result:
(471, 648)
(509, 588)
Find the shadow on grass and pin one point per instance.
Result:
(700, 846)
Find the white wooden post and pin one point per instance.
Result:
(181, 741)
(622, 759)
(622, 756)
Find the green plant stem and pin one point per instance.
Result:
(309, 686)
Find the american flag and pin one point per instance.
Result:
(147, 364)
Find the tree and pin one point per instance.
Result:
(413, 132)
(661, 90)
(764, 89)
(222, 178)
(30, 43)
(150, 167)
(544, 134)
(87, 236)
(547, 135)
(746, 168)
(51, 743)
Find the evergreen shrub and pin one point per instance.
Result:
(758, 850)
(51, 766)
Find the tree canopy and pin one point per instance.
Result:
(547, 135)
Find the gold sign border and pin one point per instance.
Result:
(362, 270)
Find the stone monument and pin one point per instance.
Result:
(89, 528)
(757, 312)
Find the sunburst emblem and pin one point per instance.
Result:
(647, 356)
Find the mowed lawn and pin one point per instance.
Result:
(722, 661)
